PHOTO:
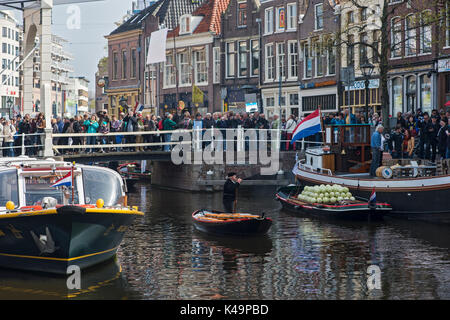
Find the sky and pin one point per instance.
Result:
(87, 43)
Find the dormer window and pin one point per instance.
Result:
(185, 24)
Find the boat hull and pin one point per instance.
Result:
(238, 227)
(342, 212)
(425, 197)
(53, 240)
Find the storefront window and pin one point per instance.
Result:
(411, 93)
(397, 95)
(425, 93)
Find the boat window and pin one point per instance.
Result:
(101, 184)
(8, 187)
(39, 187)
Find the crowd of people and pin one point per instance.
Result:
(417, 134)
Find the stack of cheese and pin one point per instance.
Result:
(328, 194)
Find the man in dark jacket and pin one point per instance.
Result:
(229, 191)
(431, 130)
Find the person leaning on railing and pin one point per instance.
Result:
(8, 131)
(92, 127)
(168, 125)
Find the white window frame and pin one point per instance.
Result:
(447, 23)
(230, 60)
(318, 58)
(277, 20)
(396, 46)
(251, 57)
(268, 21)
(216, 65)
(291, 16)
(280, 60)
(245, 54)
(410, 37)
(170, 79)
(331, 49)
(316, 26)
(292, 55)
(198, 65)
(185, 18)
(306, 56)
(425, 29)
(270, 68)
(184, 65)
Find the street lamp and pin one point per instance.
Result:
(367, 70)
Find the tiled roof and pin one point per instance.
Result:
(168, 11)
(211, 11)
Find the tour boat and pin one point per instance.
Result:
(217, 222)
(347, 209)
(55, 214)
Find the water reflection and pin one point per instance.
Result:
(164, 257)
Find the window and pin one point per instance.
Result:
(201, 70)
(363, 58)
(425, 32)
(307, 62)
(169, 72)
(396, 37)
(185, 69)
(124, 64)
(410, 41)
(185, 24)
(281, 19)
(9, 190)
(230, 61)
(270, 62)
(447, 10)
(268, 21)
(292, 16)
(115, 65)
(4, 32)
(293, 59)
(376, 45)
(350, 17)
(425, 93)
(331, 58)
(350, 51)
(243, 59)
(4, 48)
(254, 45)
(318, 16)
(318, 59)
(216, 65)
(242, 13)
(397, 95)
(281, 69)
(133, 63)
(364, 14)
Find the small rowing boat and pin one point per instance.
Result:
(217, 222)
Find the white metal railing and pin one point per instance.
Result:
(24, 143)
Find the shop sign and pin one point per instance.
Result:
(444, 65)
(361, 85)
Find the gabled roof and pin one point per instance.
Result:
(168, 12)
(211, 11)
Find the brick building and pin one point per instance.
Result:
(193, 60)
(279, 57)
(240, 75)
(319, 66)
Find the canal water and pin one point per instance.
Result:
(164, 257)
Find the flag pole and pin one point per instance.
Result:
(73, 185)
(321, 126)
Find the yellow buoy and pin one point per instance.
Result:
(10, 205)
(100, 203)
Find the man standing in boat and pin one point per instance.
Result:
(377, 147)
(229, 191)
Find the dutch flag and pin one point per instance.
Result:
(309, 126)
(373, 197)
(64, 181)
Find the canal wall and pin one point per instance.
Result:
(211, 177)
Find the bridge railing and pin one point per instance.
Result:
(241, 137)
(21, 141)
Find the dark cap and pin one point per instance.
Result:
(231, 174)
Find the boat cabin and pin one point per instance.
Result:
(47, 183)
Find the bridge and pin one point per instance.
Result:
(252, 152)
